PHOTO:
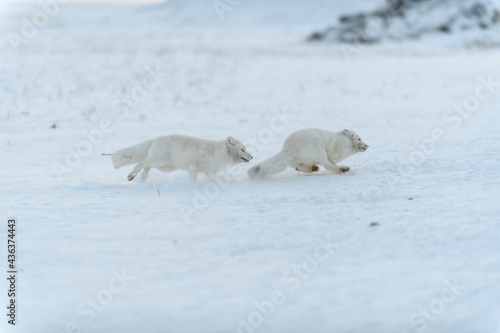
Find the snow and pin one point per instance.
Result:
(293, 253)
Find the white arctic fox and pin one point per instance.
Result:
(307, 148)
(172, 152)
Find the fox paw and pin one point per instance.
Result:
(307, 168)
(344, 169)
(130, 177)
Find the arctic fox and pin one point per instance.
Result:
(172, 152)
(307, 148)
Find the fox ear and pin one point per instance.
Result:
(230, 141)
(347, 133)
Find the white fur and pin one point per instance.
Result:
(305, 149)
(172, 152)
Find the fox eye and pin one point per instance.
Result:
(243, 150)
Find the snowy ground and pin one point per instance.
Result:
(295, 253)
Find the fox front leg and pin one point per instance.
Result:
(145, 173)
(333, 167)
(193, 172)
(136, 170)
(336, 169)
(307, 168)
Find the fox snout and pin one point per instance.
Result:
(247, 158)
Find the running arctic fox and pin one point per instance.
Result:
(307, 148)
(172, 152)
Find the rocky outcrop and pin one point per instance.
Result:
(406, 19)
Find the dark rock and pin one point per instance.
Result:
(316, 36)
(409, 19)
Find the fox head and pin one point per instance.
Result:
(356, 143)
(237, 151)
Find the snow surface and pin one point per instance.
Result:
(250, 241)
